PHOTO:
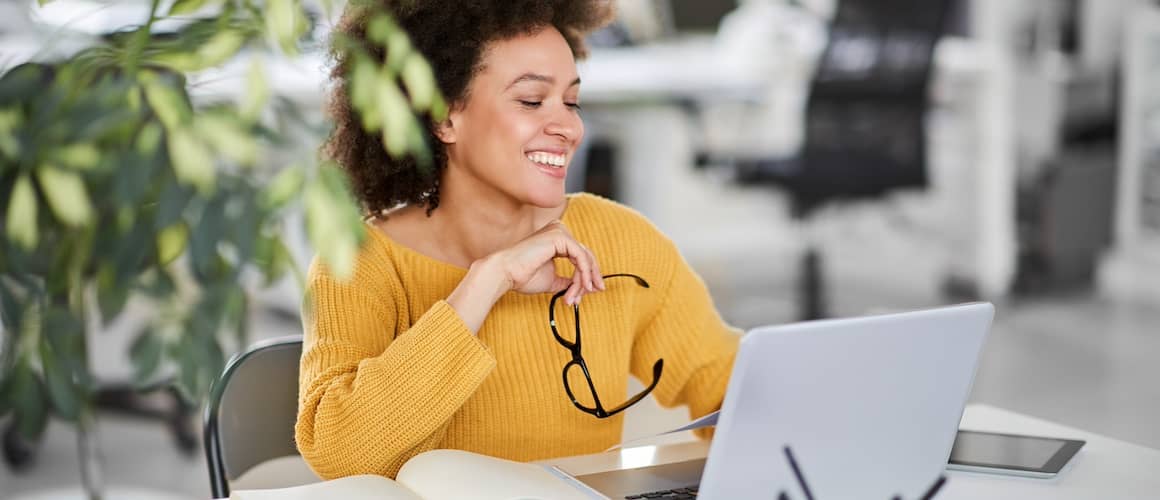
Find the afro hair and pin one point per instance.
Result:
(452, 35)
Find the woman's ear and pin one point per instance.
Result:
(445, 130)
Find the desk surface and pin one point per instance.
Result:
(1104, 468)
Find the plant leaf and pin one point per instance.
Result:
(174, 198)
(66, 194)
(145, 354)
(20, 82)
(83, 156)
(417, 147)
(62, 360)
(10, 120)
(363, 79)
(11, 313)
(185, 7)
(227, 136)
(171, 242)
(333, 224)
(170, 106)
(420, 81)
(283, 187)
(321, 229)
(111, 295)
(222, 46)
(398, 50)
(22, 212)
(149, 139)
(192, 162)
(395, 114)
(284, 24)
(257, 91)
(381, 28)
(29, 404)
(207, 232)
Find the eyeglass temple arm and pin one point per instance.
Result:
(658, 367)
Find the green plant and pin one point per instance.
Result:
(115, 183)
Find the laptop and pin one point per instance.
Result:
(863, 407)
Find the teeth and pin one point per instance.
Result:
(547, 158)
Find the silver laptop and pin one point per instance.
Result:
(849, 408)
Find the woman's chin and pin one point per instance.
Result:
(547, 198)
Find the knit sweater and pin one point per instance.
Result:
(390, 370)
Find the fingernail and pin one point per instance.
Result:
(578, 297)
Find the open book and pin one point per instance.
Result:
(440, 475)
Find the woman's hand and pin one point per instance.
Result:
(528, 265)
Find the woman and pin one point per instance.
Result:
(443, 338)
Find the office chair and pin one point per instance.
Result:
(865, 121)
(252, 410)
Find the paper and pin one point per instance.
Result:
(705, 421)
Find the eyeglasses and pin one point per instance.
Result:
(578, 359)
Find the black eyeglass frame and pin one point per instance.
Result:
(578, 359)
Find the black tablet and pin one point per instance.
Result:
(1011, 454)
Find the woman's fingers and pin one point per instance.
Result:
(583, 260)
(585, 264)
(597, 274)
(586, 278)
(575, 290)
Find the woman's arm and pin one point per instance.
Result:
(374, 392)
(687, 331)
(372, 396)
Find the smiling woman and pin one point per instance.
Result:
(426, 347)
(455, 38)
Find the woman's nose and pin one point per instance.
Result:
(565, 124)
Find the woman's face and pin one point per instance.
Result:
(515, 134)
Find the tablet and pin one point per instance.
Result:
(1011, 454)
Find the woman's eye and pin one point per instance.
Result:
(531, 104)
(574, 105)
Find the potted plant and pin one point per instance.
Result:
(115, 182)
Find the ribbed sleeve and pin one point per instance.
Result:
(389, 370)
(688, 333)
(362, 411)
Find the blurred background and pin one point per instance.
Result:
(811, 158)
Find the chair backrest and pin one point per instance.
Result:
(252, 410)
(866, 114)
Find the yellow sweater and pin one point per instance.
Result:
(389, 370)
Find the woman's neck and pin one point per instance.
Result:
(470, 225)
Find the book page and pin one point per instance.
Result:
(456, 474)
(363, 487)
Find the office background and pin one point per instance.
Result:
(1038, 188)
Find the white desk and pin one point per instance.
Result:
(1105, 468)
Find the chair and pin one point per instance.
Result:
(252, 410)
(865, 122)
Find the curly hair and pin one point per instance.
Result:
(452, 35)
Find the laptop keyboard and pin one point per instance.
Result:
(688, 492)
